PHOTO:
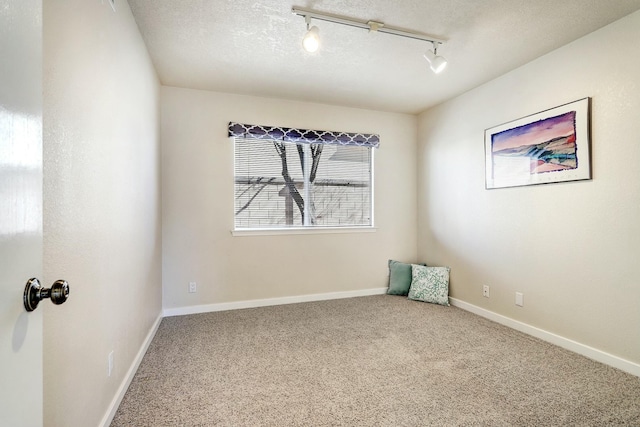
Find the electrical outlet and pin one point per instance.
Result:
(520, 299)
(485, 291)
(193, 287)
(110, 364)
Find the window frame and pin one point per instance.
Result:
(308, 229)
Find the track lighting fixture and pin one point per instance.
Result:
(436, 63)
(311, 41)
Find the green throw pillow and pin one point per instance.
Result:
(399, 278)
(430, 284)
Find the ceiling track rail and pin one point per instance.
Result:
(366, 25)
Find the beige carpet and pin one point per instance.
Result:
(372, 361)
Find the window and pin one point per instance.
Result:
(290, 178)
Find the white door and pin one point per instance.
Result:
(20, 210)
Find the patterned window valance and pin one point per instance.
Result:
(303, 135)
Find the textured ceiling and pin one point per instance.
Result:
(254, 47)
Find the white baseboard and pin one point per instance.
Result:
(206, 308)
(576, 347)
(122, 390)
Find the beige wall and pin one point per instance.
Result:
(197, 204)
(571, 248)
(101, 204)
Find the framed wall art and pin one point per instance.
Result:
(550, 146)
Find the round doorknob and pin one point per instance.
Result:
(34, 293)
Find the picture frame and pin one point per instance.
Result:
(547, 147)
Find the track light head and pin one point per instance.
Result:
(436, 63)
(311, 40)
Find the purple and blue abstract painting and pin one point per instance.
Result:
(544, 146)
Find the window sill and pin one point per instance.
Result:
(293, 231)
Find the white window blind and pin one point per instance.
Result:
(280, 184)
